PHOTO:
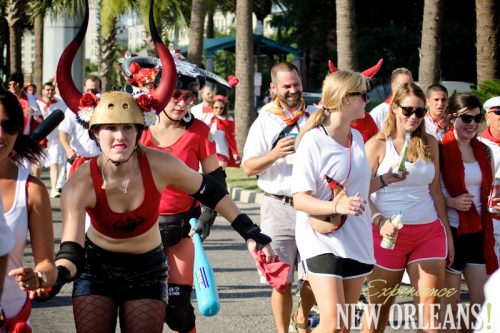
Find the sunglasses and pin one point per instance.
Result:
(467, 118)
(9, 127)
(187, 98)
(408, 111)
(363, 94)
(496, 111)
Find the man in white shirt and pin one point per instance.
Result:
(491, 137)
(268, 153)
(55, 151)
(203, 111)
(437, 102)
(398, 77)
(75, 139)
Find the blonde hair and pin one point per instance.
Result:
(336, 86)
(419, 146)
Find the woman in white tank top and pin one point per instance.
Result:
(26, 209)
(421, 246)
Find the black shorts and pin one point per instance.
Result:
(122, 276)
(468, 250)
(330, 264)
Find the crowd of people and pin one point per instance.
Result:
(332, 189)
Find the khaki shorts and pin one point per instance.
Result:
(277, 220)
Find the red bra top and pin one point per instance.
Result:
(128, 224)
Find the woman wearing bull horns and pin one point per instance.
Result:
(119, 266)
(187, 138)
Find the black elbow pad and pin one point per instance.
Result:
(73, 252)
(219, 175)
(210, 192)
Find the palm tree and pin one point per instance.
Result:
(486, 42)
(430, 47)
(14, 15)
(346, 34)
(196, 31)
(244, 104)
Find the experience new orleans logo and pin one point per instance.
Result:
(409, 316)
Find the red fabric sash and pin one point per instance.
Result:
(453, 178)
(487, 135)
(227, 126)
(18, 324)
(47, 103)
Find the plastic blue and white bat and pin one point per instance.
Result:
(207, 296)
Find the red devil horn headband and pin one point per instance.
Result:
(71, 95)
(367, 73)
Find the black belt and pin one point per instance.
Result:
(182, 217)
(284, 198)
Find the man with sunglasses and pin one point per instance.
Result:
(491, 137)
(268, 153)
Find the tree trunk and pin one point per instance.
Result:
(429, 71)
(4, 46)
(38, 70)
(486, 41)
(346, 35)
(196, 29)
(210, 23)
(107, 45)
(14, 13)
(244, 103)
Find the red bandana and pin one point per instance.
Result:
(47, 103)
(487, 135)
(439, 124)
(470, 221)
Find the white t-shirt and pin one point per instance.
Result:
(379, 113)
(52, 137)
(198, 113)
(219, 137)
(432, 129)
(80, 141)
(276, 179)
(319, 155)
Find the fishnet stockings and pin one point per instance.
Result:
(94, 314)
(181, 262)
(97, 314)
(142, 316)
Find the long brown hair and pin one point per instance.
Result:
(419, 146)
(335, 87)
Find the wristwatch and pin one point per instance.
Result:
(42, 278)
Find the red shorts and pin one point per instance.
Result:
(414, 243)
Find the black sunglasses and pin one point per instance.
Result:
(363, 94)
(467, 118)
(496, 111)
(9, 126)
(408, 111)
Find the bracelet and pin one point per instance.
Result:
(382, 181)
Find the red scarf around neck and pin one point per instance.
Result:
(47, 103)
(487, 135)
(453, 174)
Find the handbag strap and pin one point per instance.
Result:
(332, 182)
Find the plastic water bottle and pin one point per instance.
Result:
(397, 221)
(313, 317)
(494, 193)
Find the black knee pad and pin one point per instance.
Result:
(180, 313)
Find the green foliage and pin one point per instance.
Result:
(169, 14)
(111, 10)
(487, 90)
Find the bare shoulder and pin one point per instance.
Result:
(37, 192)
(375, 146)
(79, 187)
(157, 157)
